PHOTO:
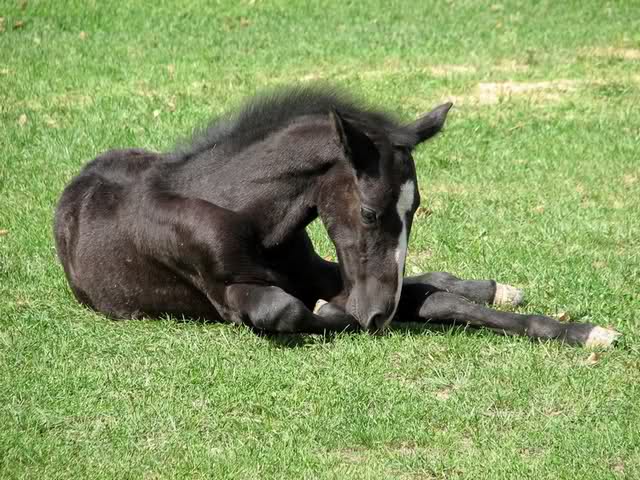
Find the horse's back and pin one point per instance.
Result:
(121, 165)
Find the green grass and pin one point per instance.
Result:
(535, 184)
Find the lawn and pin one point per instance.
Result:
(535, 182)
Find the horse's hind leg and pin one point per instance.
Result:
(479, 291)
(420, 303)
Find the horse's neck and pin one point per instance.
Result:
(283, 203)
(275, 188)
(281, 220)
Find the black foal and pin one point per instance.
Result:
(217, 229)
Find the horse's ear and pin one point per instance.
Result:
(356, 145)
(431, 123)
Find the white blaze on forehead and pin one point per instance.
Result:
(404, 205)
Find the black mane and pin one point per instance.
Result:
(268, 112)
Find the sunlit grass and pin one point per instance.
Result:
(535, 182)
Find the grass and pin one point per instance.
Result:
(535, 182)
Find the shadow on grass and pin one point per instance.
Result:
(305, 340)
(297, 340)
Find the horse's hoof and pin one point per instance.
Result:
(508, 295)
(601, 337)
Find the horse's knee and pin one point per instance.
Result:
(277, 311)
(441, 305)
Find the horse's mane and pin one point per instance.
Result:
(269, 112)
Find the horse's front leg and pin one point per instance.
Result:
(271, 309)
(480, 291)
(421, 302)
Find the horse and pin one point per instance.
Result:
(215, 229)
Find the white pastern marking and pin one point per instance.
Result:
(602, 337)
(507, 295)
(405, 202)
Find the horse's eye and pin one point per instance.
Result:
(368, 215)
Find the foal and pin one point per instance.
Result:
(217, 230)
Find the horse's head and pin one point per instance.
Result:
(368, 209)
